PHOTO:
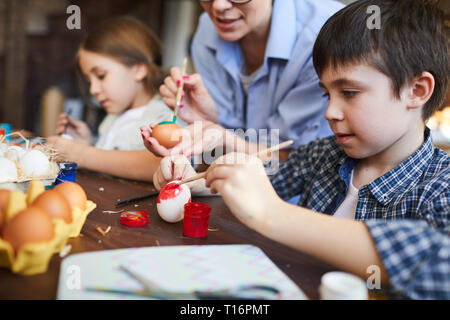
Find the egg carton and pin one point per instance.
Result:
(23, 183)
(34, 258)
(23, 180)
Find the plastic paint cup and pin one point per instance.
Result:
(196, 219)
(342, 286)
(68, 172)
(5, 128)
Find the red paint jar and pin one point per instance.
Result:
(196, 219)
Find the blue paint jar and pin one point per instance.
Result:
(5, 128)
(68, 172)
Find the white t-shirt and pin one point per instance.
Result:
(347, 209)
(122, 132)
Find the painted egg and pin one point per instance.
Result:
(34, 163)
(28, 226)
(168, 135)
(54, 204)
(171, 201)
(8, 170)
(73, 193)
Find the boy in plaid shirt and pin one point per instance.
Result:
(379, 173)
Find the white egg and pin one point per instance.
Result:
(14, 153)
(3, 149)
(8, 170)
(171, 201)
(34, 163)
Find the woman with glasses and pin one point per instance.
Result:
(254, 71)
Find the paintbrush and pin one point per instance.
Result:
(180, 90)
(119, 203)
(258, 154)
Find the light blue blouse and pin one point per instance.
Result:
(285, 94)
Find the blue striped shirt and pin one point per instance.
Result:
(285, 101)
(418, 189)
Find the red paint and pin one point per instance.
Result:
(196, 219)
(169, 191)
(134, 218)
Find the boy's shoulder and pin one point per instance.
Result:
(438, 170)
(325, 150)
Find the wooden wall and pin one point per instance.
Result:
(30, 62)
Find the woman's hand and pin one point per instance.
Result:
(244, 186)
(77, 129)
(199, 137)
(152, 144)
(197, 103)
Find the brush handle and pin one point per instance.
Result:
(119, 203)
(258, 154)
(180, 88)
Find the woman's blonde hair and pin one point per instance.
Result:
(131, 42)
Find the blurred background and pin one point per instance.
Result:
(37, 49)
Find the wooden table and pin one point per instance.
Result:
(305, 271)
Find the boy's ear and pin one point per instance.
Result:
(421, 90)
(140, 71)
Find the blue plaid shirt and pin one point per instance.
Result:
(418, 188)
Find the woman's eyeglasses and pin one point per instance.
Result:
(232, 1)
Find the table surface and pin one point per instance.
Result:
(304, 270)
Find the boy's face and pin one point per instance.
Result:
(363, 112)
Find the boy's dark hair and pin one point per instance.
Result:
(413, 38)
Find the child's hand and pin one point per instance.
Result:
(78, 130)
(244, 186)
(67, 150)
(176, 167)
(197, 103)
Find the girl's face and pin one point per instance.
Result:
(236, 21)
(116, 86)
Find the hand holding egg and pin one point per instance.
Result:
(161, 138)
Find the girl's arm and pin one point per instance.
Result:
(136, 164)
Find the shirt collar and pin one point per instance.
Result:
(401, 177)
(283, 30)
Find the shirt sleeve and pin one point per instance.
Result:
(300, 115)
(416, 257)
(218, 84)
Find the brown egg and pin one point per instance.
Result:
(168, 135)
(54, 204)
(28, 226)
(73, 193)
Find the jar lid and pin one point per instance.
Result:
(134, 218)
(342, 286)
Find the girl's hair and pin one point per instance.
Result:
(130, 42)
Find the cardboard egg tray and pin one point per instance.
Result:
(34, 258)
